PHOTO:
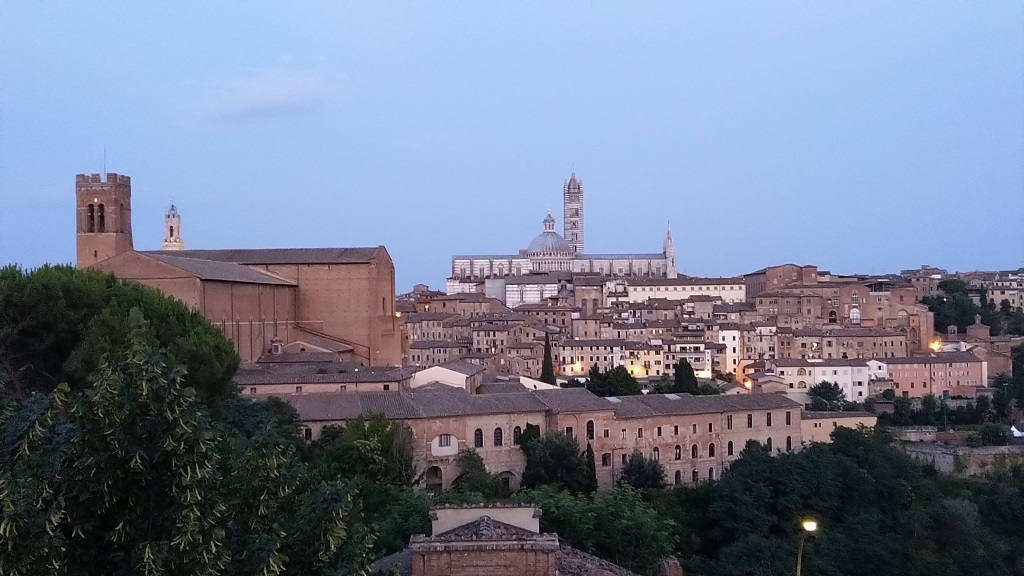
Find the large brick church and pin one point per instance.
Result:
(338, 300)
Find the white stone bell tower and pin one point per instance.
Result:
(172, 230)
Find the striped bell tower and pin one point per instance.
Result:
(572, 198)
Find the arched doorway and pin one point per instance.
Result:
(433, 479)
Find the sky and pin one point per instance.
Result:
(863, 137)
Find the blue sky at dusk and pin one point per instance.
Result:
(858, 136)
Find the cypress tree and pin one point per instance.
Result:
(547, 369)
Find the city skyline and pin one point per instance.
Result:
(851, 137)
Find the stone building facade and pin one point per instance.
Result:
(694, 437)
(344, 295)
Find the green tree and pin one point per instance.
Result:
(474, 477)
(591, 484)
(58, 322)
(555, 459)
(371, 447)
(135, 474)
(614, 382)
(902, 411)
(642, 473)
(989, 434)
(547, 369)
(827, 396)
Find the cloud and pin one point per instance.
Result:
(267, 93)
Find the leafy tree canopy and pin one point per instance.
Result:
(642, 473)
(58, 322)
(134, 474)
(555, 459)
(614, 382)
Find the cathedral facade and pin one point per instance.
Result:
(550, 251)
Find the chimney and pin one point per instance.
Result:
(276, 346)
(670, 567)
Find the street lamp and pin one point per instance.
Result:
(809, 526)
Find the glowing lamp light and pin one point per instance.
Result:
(810, 525)
(936, 346)
(747, 385)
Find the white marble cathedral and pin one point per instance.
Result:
(550, 251)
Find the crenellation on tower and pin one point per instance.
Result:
(104, 217)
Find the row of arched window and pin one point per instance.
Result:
(498, 438)
(694, 476)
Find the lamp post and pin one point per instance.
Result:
(809, 526)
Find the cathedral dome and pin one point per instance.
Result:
(549, 241)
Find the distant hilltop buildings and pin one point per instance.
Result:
(550, 251)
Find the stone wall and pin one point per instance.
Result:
(966, 460)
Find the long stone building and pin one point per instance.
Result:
(694, 437)
(550, 251)
(339, 300)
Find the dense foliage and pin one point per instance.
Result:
(555, 459)
(135, 474)
(58, 322)
(614, 382)
(642, 473)
(955, 306)
(684, 381)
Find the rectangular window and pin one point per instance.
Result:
(624, 458)
(604, 433)
(694, 428)
(750, 420)
(623, 433)
(675, 430)
(768, 418)
(606, 459)
(659, 431)
(252, 390)
(445, 440)
(728, 422)
(387, 387)
(298, 389)
(711, 427)
(568, 431)
(789, 419)
(639, 432)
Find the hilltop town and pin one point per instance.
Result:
(591, 395)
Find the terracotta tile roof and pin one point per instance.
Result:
(605, 343)
(802, 362)
(850, 331)
(219, 271)
(414, 317)
(935, 358)
(320, 373)
(822, 415)
(571, 400)
(679, 404)
(463, 367)
(428, 344)
(501, 388)
(285, 255)
(309, 356)
(406, 405)
(682, 281)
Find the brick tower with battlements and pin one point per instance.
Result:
(103, 217)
